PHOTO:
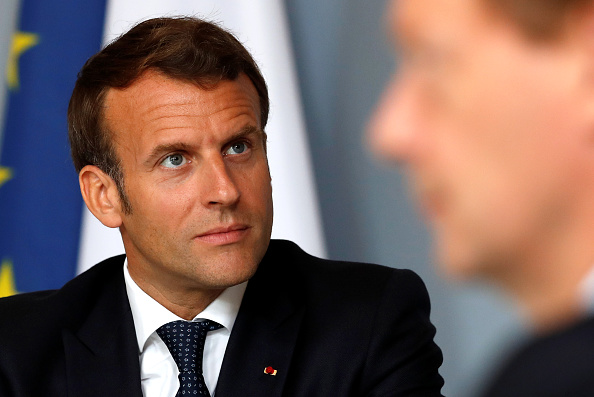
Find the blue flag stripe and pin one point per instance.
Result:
(40, 206)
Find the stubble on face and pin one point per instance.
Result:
(197, 179)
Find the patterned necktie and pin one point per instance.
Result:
(185, 341)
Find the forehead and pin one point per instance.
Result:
(155, 100)
(155, 88)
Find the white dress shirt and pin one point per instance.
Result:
(158, 371)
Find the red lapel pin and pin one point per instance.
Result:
(270, 371)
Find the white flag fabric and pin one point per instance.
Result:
(261, 26)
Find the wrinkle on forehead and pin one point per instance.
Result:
(183, 98)
(145, 100)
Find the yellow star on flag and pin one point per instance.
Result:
(7, 284)
(21, 42)
(5, 175)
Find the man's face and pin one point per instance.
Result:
(487, 124)
(196, 175)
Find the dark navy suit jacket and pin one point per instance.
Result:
(328, 328)
(560, 364)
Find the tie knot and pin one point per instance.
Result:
(185, 341)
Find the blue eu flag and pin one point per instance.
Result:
(40, 203)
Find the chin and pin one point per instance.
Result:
(229, 275)
(456, 262)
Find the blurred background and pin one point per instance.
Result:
(341, 59)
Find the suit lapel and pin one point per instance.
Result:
(101, 351)
(264, 335)
(102, 354)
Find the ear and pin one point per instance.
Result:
(101, 196)
(580, 31)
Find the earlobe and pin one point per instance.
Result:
(101, 196)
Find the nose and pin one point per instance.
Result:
(392, 127)
(218, 183)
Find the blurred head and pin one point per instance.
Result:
(490, 112)
(185, 49)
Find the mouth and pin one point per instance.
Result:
(224, 235)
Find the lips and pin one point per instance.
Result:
(224, 234)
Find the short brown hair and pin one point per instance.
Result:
(183, 48)
(538, 19)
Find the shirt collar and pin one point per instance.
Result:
(149, 315)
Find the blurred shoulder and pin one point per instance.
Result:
(557, 364)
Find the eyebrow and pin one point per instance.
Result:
(245, 131)
(165, 148)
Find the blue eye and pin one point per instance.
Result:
(174, 160)
(236, 148)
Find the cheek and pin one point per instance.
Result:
(260, 197)
(254, 183)
(158, 204)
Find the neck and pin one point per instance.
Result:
(546, 282)
(182, 303)
(551, 308)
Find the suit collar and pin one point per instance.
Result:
(101, 351)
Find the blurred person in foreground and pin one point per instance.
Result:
(167, 133)
(491, 112)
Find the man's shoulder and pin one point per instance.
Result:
(285, 255)
(557, 364)
(578, 337)
(287, 262)
(368, 323)
(49, 304)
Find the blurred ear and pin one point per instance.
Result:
(101, 196)
(580, 31)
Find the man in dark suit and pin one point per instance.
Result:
(166, 127)
(492, 114)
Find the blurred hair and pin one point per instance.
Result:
(183, 48)
(539, 19)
